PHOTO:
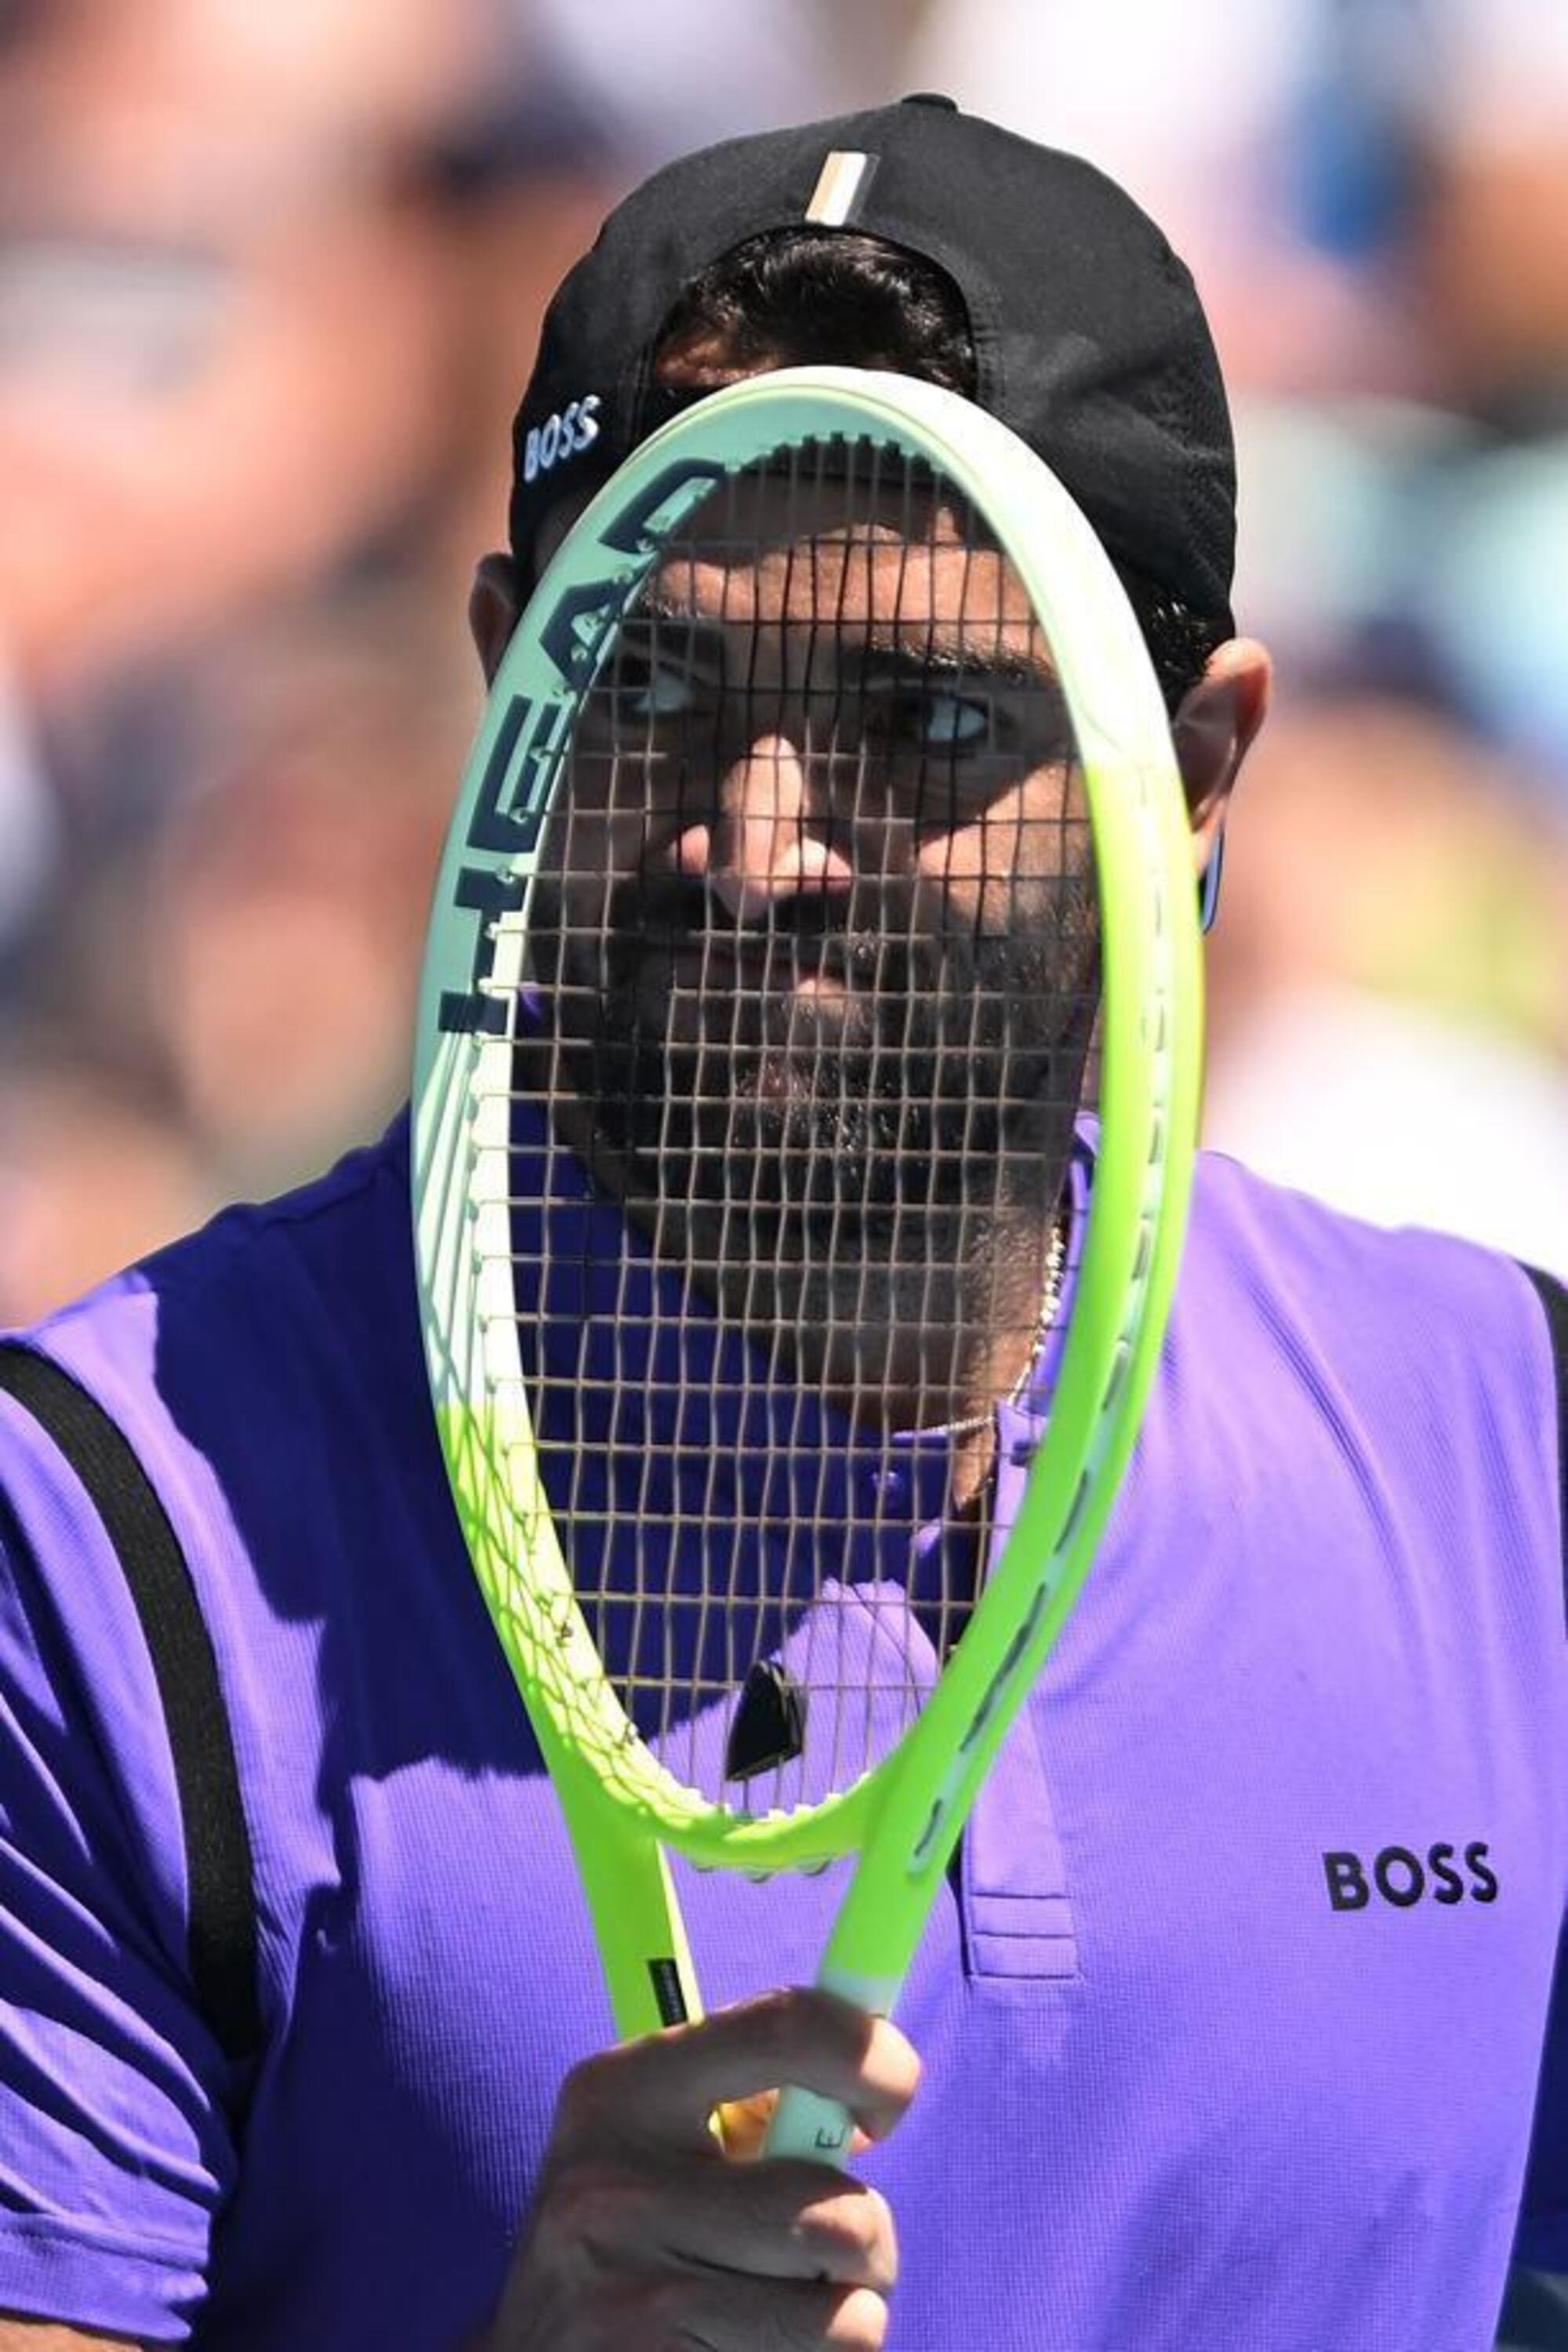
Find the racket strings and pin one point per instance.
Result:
(812, 941)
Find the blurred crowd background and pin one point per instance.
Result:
(271, 279)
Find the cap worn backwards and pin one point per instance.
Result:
(1090, 339)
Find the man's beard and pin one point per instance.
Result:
(915, 1087)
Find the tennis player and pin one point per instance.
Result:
(1229, 2031)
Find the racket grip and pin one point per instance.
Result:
(804, 2124)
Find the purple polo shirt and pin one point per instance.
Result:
(1231, 2016)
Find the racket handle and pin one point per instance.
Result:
(804, 2124)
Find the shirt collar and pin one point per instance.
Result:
(636, 1362)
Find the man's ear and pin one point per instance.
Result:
(495, 602)
(1213, 732)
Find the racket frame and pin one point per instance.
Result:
(621, 1807)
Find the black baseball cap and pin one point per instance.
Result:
(1089, 338)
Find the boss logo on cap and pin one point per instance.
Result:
(565, 434)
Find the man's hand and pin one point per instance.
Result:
(646, 2236)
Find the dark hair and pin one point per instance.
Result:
(795, 295)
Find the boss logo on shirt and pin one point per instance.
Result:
(1404, 1878)
(573, 428)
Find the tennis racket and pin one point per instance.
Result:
(808, 1056)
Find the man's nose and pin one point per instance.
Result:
(762, 841)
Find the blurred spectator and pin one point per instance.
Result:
(654, 89)
(29, 830)
(221, 340)
(270, 283)
(1491, 235)
(1388, 984)
(92, 1174)
(283, 908)
(230, 321)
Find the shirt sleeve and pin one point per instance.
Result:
(115, 2149)
(1542, 2239)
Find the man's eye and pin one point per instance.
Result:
(647, 691)
(941, 721)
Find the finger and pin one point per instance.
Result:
(784, 2221)
(724, 2314)
(665, 2087)
(742, 2128)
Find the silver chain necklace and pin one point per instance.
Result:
(1050, 1303)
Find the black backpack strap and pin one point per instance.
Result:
(1553, 1299)
(1535, 2311)
(221, 1946)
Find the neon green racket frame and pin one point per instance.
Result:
(623, 1809)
